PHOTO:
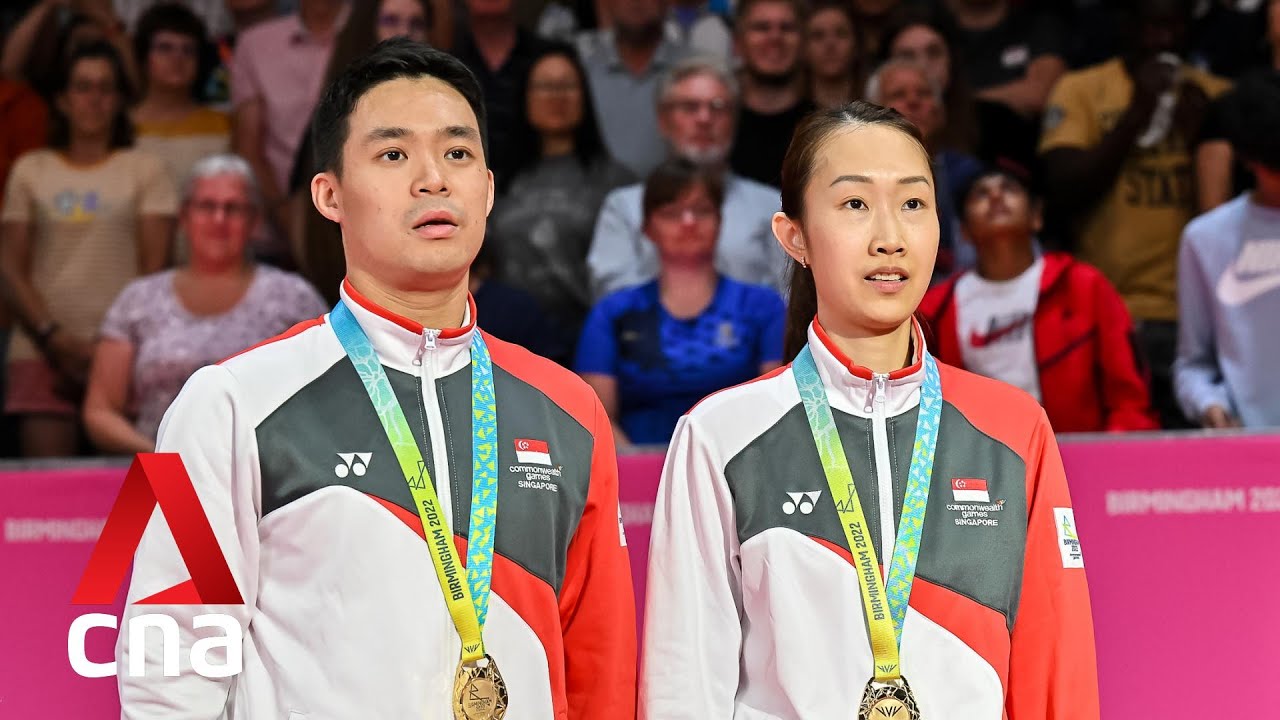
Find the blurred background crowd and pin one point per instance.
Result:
(1107, 178)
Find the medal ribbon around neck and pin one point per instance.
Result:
(468, 601)
(885, 602)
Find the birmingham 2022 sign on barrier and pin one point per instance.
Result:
(1180, 535)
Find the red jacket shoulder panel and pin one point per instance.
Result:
(997, 409)
(570, 392)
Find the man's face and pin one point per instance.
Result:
(1162, 27)
(696, 118)
(769, 41)
(907, 90)
(415, 189)
(998, 206)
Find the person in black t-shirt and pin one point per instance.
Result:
(1011, 56)
(773, 101)
(499, 52)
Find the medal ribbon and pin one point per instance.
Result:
(885, 601)
(468, 601)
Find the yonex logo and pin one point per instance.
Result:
(352, 463)
(802, 501)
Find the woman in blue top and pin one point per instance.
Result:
(653, 350)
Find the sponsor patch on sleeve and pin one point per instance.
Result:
(1053, 117)
(1064, 521)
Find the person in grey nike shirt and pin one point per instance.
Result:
(1229, 280)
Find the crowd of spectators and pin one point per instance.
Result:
(1107, 181)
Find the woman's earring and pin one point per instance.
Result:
(804, 262)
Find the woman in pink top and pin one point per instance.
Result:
(165, 326)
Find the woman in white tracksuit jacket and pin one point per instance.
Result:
(755, 600)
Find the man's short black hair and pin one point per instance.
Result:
(388, 60)
(1252, 111)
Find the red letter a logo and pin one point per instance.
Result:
(158, 478)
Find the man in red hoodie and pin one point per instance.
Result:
(1046, 323)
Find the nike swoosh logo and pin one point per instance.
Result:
(1235, 290)
(977, 340)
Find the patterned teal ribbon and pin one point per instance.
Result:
(469, 603)
(902, 568)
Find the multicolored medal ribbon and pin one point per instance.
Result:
(885, 601)
(479, 691)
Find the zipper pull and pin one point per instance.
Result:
(882, 389)
(875, 394)
(429, 336)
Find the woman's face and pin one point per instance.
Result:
(401, 18)
(829, 44)
(173, 61)
(555, 96)
(218, 219)
(869, 231)
(922, 45)
(92, 98)
(685, 230)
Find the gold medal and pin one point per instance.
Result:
(479, 692)
(888, 701)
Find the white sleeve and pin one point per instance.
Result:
(219, 450)
(615, 260)
(693, 631)
(1197, 377)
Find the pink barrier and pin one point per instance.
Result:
(1179, 539)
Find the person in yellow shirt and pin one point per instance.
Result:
(1117, 146)
(171, 121)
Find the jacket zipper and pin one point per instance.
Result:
(428, 371)
(876, 405)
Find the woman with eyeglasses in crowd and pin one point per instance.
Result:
(165, 326)
(542, 221)
(171, 47)
(652, 351)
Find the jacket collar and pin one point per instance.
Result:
(404, 344)
(852, 388)
(1056, 265)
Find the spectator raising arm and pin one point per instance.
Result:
(1079, 174)
(22, 38)
(1029, 93)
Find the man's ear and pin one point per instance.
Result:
(488, 208)
(791, 237)
(327, 196)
